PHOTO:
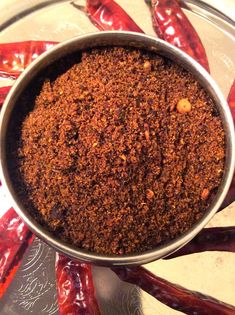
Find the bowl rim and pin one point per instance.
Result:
(131, 39)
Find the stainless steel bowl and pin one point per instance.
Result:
(113, 39)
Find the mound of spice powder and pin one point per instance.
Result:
(122, 152)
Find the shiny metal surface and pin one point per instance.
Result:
(134, 40)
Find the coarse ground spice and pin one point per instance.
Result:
(120, 152)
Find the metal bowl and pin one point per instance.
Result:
(131, 40)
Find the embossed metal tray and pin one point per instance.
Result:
(33, 290)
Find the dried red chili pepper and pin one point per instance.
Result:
(231, 100)
(231, 193)
(107, 15)
(210, 239)
(175, 296)
(14, 240)
(15, 57)
(76, 292)
(3, 93)
(172, 25)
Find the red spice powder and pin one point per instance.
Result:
(121, 152)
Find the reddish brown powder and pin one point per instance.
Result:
(120, 153)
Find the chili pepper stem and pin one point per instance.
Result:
(78, 6)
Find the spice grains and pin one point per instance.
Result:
(120, 153)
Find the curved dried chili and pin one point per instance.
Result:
(76, 292)
(175, 296)
(231, 100)
(15, 57)
(14, 240)
(172, 25)
(107, 15)
(209, 239)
